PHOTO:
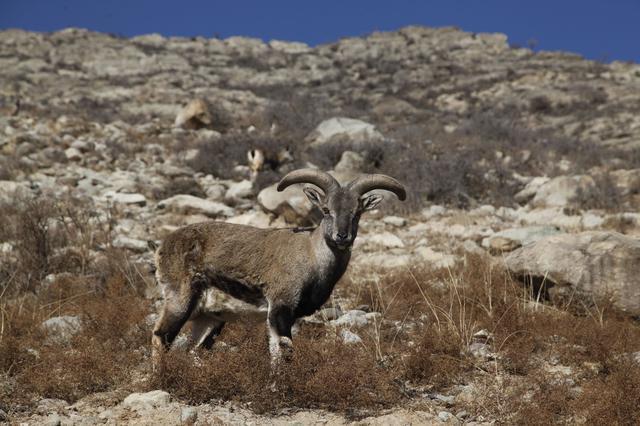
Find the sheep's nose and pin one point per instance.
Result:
(342, 235)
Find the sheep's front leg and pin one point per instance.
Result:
(279, 320)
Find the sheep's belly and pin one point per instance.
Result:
(218, 304)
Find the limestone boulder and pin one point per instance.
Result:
(593, 264)
(563, 191)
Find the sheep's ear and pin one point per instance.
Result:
(314, 196)
(371, 202)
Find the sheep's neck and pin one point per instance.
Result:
(330, 262)
(329, 265)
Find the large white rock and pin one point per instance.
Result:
(385, 260)
(562, 191)
(147, 401)
(354, 130)
(593, 263)
(188, 204)
(291, 203)
(258, 219)
(512, 238)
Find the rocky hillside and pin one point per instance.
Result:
(505, 286)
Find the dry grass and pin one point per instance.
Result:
(546, 364)
(323, 372)
(102, 356)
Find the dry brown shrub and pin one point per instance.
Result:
(48, 236)
(436, 360)
(322, 372)
(102, 356)
(613, 397)
(420, 340)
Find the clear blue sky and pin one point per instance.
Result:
(597, 29)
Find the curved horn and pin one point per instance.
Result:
(321, 179)
(366, 183)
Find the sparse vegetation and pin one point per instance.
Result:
(564, 363)
(462, 128)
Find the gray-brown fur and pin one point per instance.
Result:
(287, 273)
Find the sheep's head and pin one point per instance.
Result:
(342, 206)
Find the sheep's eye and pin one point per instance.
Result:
(325, 210)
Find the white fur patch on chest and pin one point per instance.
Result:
(325, 259)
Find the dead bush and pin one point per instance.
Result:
(437, 359)
(418, 341)
(604, 195)
(102, 356)
(180, 185)
(612, 397)
(48, 236)
(322, 373)
(295, 114)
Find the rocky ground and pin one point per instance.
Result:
(527, 160)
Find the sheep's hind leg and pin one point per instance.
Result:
(205, 330)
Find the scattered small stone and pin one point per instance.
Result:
(216, 192)
(188, 204)
(352, 318)
(132, 244)
(482, 335)
(128, 199)
(481, 350)
(105, 414)
(181, 342)
(365, 308)
(387, 260)
(188, 415)
(436, 259)
(83, 146)
(445, 399)
(445, 416)
(462, 414)
(396, 221)
(386, 239)
(53, 420)
(61, 329)
(239, 190)
(331, 313)
(433, 211)
(73, 154)
(349, 337)
(151, 319)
